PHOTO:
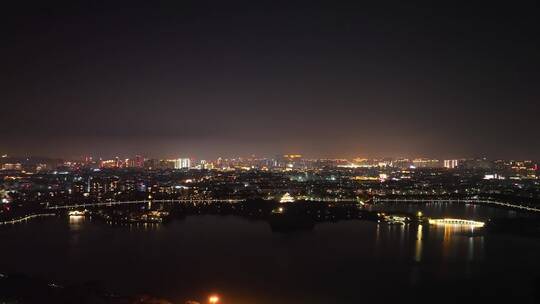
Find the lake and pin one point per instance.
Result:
(245, 262)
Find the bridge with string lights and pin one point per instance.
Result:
(464, 201)
(110, 204)
(456, 222)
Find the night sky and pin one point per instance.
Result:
(204, 79)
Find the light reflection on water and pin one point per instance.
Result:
(418, 245)
(75, 222)
(452, 241)
(470, 234)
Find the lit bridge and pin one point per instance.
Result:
(465, 201)
(456, 222)
(25, 218)
(110, 204)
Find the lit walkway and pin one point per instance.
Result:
(466, 201)
(25, 218)
(110, 204)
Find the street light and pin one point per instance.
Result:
(213, 299)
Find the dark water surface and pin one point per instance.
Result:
(245, 262)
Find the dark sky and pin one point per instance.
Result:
(203, 79)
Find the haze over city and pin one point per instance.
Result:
(211, 79)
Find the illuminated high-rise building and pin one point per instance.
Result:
(451, 163)
(139, 161)
(15, 167)
(182, 163)
(288, 160)
(426, 163)
(88, 160)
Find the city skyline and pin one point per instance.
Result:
(246, 156)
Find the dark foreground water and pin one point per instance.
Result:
(245, 262)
